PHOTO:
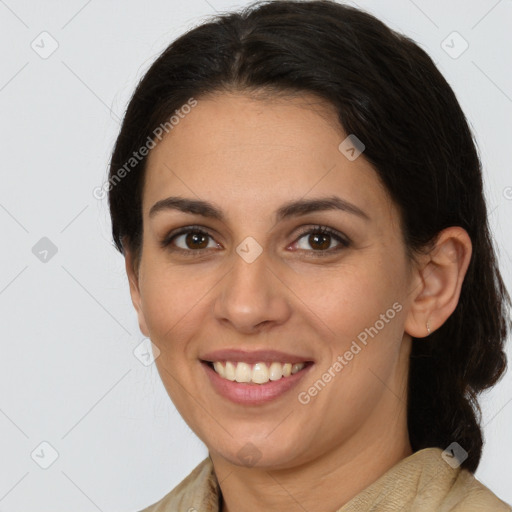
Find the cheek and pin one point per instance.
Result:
(171, 299)
(354, 297)
(362, 308)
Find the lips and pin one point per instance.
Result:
(241, 377)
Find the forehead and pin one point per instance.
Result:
(235, 147)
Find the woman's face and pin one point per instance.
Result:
(262, 282)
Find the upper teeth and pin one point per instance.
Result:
(259, 373)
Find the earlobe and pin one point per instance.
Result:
(440, 275)
(134, 282)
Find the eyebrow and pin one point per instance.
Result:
(291, 209)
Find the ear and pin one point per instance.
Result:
(132, 271)
(437, 281)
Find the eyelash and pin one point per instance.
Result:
(343, 241)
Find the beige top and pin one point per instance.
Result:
(422, 482)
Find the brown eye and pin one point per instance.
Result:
(196, 240)
(189, 240)
(321, 240)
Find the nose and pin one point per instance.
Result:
(251, 297)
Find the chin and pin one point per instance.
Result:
(263, 453)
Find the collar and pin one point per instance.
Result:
(425, 481)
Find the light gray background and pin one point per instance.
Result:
(68, 374)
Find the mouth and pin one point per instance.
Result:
(255, 373)
(255, 377)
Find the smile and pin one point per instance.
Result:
(254, 377)
(258, 373)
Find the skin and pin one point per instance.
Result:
(248, 157)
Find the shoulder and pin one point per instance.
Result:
(468, 494)
(197, 492)
(450, 488)
(427, 481)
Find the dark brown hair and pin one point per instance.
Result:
(388, 92)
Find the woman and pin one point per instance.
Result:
(299, 201)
